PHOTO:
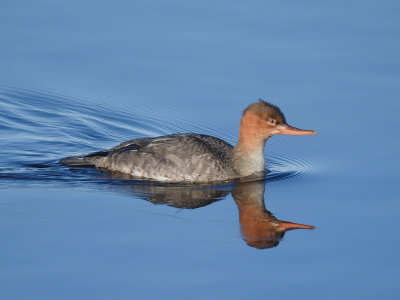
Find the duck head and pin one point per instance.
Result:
(261, 120)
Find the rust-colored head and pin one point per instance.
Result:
(262, 120)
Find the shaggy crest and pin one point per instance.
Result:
(266, 110)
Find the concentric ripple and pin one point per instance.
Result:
(285, 166)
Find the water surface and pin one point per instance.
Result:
(79, 77)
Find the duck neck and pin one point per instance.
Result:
(248, 154)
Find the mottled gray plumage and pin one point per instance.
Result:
(171, 158)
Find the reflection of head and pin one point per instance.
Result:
(270, 241)
(260, 229)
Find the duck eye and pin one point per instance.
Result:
(272, 121)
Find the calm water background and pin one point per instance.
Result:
(82, 76)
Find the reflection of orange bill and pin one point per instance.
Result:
(289, 226)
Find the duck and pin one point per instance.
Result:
(196, 158)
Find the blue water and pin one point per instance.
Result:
(77, 77)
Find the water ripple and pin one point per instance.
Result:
(285, 166)
(39, 128)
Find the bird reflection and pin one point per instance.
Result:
(180, 196)
(259, 228)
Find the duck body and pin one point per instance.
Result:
(172, 158)
(196, 158)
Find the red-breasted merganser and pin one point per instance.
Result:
(196, 158)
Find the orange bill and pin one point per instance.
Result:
(286, 129)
